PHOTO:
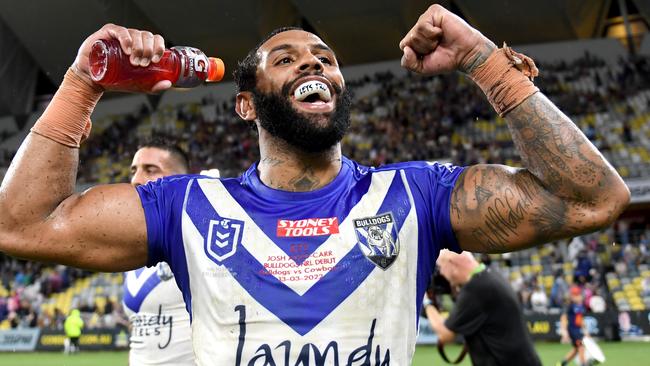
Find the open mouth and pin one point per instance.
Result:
(314, 94)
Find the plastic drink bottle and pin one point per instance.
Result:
(185, 67)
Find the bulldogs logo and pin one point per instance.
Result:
(377, 238)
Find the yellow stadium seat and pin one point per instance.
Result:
(4, 325)
(548, 281)
(100, 302)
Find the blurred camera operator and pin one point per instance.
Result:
(486, 313)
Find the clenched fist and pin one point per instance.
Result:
(441, 42)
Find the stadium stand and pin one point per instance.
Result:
(392, 109)
(36, 295)
(618, 274)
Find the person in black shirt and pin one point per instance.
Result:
(486, 313)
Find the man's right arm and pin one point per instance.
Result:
(42, 218)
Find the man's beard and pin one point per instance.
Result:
(282, 120)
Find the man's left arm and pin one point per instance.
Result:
(564, 327)
(437, 322)
(566, 187)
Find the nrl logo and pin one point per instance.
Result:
(223, 237)
(377, 238)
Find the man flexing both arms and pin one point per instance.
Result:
(262, 294)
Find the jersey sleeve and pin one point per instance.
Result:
(162, 204)
(431, 186)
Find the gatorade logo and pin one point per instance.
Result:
(307, 227)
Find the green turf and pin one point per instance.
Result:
(621, 353)
(626, 354)
(59, 359)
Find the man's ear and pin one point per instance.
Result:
(244, 106)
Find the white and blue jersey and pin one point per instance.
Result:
(160, 323)
(328, 277)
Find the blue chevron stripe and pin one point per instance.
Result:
(301, 312)
(134, 302)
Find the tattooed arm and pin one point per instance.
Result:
(566, 188)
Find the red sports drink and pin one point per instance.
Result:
(185, 67)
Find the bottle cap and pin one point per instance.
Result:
(216, 70)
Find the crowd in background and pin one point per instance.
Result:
(394, 118)
(27, 285)
(622, 249)
(402, 118)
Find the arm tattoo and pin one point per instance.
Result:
(501, 211)
(565, 189)
(556, 151)
(482, 194)
(458, 197)
(478, 57)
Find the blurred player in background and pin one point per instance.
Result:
(277, 265)
(159, 322)
(72, 326)
(572, 327)
(487, 313)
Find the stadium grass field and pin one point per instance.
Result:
(623, 353)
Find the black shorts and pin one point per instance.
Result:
(576, 338)
(75, 341)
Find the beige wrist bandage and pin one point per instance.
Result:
(66, 119)
(506, 79)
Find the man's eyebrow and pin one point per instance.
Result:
(322, 46)
(145, 166)
(285, 46)
(280, 48)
